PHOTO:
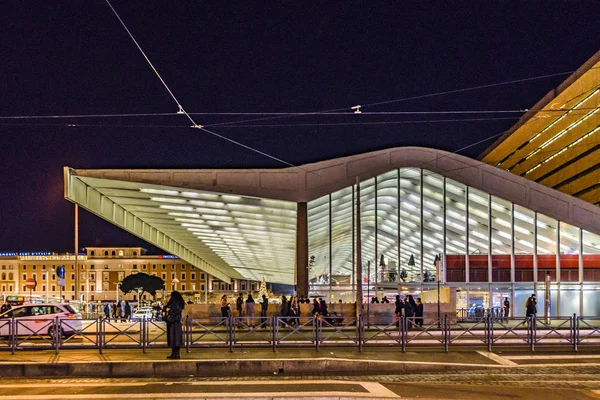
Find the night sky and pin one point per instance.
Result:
(74, 58)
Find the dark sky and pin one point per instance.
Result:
(74, 57)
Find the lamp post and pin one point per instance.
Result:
(175, 281)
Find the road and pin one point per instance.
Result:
(548, 383)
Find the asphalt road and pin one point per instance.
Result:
(548, 383)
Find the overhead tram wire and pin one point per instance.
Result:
(181, 109)
(284, 114)
(405, 98)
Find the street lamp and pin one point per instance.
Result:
(175, 281)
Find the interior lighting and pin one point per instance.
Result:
(177, 208)
(160, 191)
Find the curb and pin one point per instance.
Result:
(208, 368)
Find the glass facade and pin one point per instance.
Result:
(418, 227)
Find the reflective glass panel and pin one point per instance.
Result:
(341, 235)
(387, 227)
(410, 224)
(433, 221)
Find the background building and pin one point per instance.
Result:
(101, 269)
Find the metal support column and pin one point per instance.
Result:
(76, 252)
(535, 252)
(422, 222)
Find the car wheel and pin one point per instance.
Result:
(52, 332)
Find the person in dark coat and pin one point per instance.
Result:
(127, 313)
(285, 308)
(531, 306)
(398, 311)
(419, 312)
(239, 304)
(316, 311)
(174, 308)
(264, 307)
(409, 310)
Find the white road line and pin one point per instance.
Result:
(554, 357)
(374, 390)
(498, 359)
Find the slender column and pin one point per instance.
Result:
(399, 280)
(353, 279)
(359, 295)
(535, 252)
(443, 277)
(76, 251)
(580, 271)
(376, 252)
(330, 251)
(467, 272)
(302, 249)
(422, 220)
(489, 258)
(558, 252)
(512, 244)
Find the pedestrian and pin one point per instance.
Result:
(506, 308)
(225, 309)
(294, 311)
(3, 309)
(531, 306)
(316, 311)
(239, 304)
(419, 312)
(409, 311)
(174, 308)
(127, 313)
(398, 311)
(107, 311)
(264, 307)
(250, 310)
(385, 300)
(118, 312)
(285, 308)
(114, 310)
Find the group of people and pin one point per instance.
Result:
(411, 309)
(117, 311)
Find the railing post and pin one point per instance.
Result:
(575, 331)
(12, 335)
(403, 332)
(446, 333)
(489, 328)
(270, 320)
(143, 333)
(230, 332)
(100, 334)
(316, 324)
(532, 332)
(188, 334)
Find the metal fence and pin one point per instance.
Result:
(276, 332)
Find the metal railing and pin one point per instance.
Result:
(305, 331)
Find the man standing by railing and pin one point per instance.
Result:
(506, 308)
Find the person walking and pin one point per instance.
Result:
(127, 313)
(118, 312)
(239, 304)
(419, 312)
(264, 307)
(409, 310)
(107, 311)
(398, 311)
(114, 310)
(294, 311)
(316, 311)
(224, 306)
(174, 308)
(531, 306)
(285, 308)
(506, 308)
(250, 310)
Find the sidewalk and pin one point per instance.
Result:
(220, 362)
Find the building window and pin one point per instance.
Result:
(43, 267)
(92, 266)
(24, 288)
(164, 266)
(92, 253)
(4, 288)
(120, 253)
(43, 288)
(44, 277)
(10, 288)
(134, 266)
(54, 288)
(34, 267)
(72, 288)
(183, 286)
(153, 266)
(24, 277)
(53, 277)
(106, 267)
(135, 253)
(182, 266)
(172, 266)
(24, 266)
(4, 267)
(164, 276)
(183, 276)
(172, 276)
(4, 276)
(72, 277)
(144, 266)
(202, 287)
(201, 276)
(193, 276)
(83, 288)
(113, 253)
(106, 252)
(10, 276)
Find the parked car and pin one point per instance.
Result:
(143, 312)
(38, 319)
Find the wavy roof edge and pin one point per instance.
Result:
(543, 102)
(311, 181)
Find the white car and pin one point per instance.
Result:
(143, 312)
(39, 319)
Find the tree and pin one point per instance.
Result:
(263, 288)
(141, 283)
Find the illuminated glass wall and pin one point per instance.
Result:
(410, 218)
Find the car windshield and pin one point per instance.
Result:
(70, 309)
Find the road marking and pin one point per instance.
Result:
(497, 358)
(555, 357)
(374, 390)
